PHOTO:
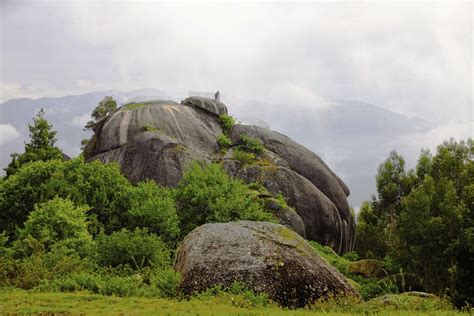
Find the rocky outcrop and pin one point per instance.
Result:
(268, 258)
(157, 139)
(318, 195)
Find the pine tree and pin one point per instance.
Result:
(40, 147)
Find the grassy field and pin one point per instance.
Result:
(18, 302)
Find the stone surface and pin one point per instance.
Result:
(209, 105)
(268, 258)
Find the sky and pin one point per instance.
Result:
(413, 58)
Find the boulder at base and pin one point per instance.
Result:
(269, 258)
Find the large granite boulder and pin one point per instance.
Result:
(268, 258)
(155, 140)
(158, 139)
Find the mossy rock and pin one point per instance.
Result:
(268, 258)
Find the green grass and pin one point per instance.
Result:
(23, 302)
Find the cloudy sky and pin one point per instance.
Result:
(411, 58)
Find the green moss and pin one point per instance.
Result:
(149, 128)
(133, 106)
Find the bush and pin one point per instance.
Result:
(245, 158)
(58, 220)
(136, 249)
(166, 281)
(208, 194)
(101, 186)
(251, 144)
(223, 141)
(154, 207)
(226, 121)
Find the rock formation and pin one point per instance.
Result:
(268, 258)
(157, 139)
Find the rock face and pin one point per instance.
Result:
(157, 139)
(269, 258)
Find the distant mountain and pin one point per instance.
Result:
(352, 137)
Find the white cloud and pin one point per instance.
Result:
(8, 133)
(409, 146)
(408, 57)
(81, 120)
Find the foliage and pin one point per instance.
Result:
(223, 141)
(245, 158)
(251, 144)
(39, 148)
(58, 221)
(136, 249)
(153, 207)
(423, 220)
(29, 271)
(226, 121)
(101, 186)
(105, 107)
(208, 194)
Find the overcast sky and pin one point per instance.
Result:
(411, 58)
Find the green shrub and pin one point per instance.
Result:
(166, 281)
(226, 121)
(245, 158)
(223, 141)
(58, 221)
(101, 186)
(251, 144)
(154, 208)
(208, 194)
(136, 249)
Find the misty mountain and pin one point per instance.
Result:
(353, 138)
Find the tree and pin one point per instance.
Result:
(105, 107)
(424, 220)
(58, 221)
(208, 194)
(153, 207)
(39, 148)
(101, 186)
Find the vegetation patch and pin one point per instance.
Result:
(243, 157)
(251, 144)
(149, 128)
(227, 122)
(223, 141)
(133, 106)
